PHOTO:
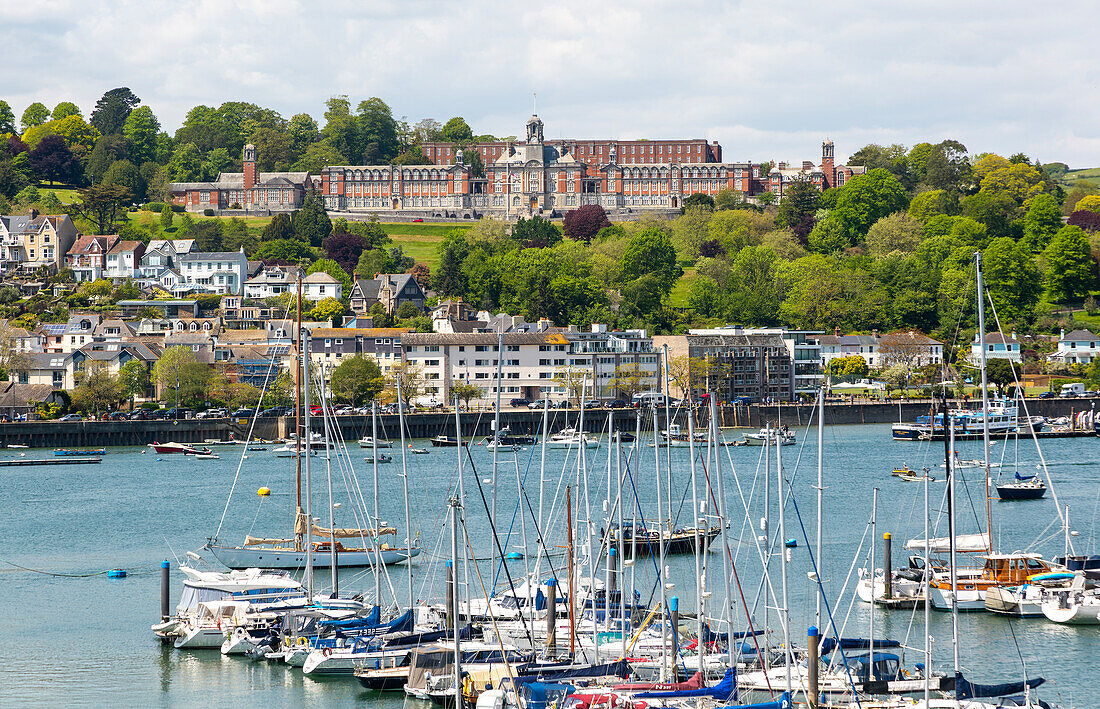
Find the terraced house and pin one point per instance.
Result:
(32, 242)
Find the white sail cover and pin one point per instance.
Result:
(963, 543)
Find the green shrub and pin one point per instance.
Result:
(154, 206)
(208, 212)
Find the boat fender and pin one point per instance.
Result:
(327, 652)
(302, 641)
(263, 492)
(239, 633)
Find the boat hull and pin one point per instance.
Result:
(970, 599)
(202, 638)
(1020, 492)
(253, 557)
(1064, 608)
(1006, 601)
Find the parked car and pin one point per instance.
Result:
(1048, 395)
(179, 413)
(418, 220)
(243, 413)
(519, 402)
(617, 404)
(215, 413)
(116, 416)
(273, 412)
(563, 404)
(593, 404)
(344, 411)
(537, 404)
(71, 417)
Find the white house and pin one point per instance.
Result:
(997, 346)
(161, 254)
(277, 280)
(124, 259)
(214, 272)
(1077, 347)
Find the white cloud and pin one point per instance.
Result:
(767, 80)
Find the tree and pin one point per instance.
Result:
(1011, 279)
(357, 380)
(583, 223)
(52, 160)
(848, 368)
(896, 233)
(754, 291)
(97, 391)
(449, 278)
(1071, 271)
(278, 228)
(133, 379)
(378, 131)
(1087, 220)
(167, 216)
(422, 274)
(318, 156)
(895, 377)
(630, 379)
(345, 249)
(828, 236)
(288, 250)
(536, 232)
(311, 223)
(457, 130)
(406, 377)
(64, 110)
(999, 372)
(650, 251)
(124, 173)
(180, 372)
(302, 130)
(12, 357)
(464, 391)
(7, 118)
(112, 110)
(35, 115)
(328, 309)
(141, 128)
(688, 373)
(865, 199)
(185, 165)
(1090, 202)
(801, 199)
(574, 380)
(697, 199)
(933, 203)
(1042, 221)
(103, 206)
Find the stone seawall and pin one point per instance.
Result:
(53, 434)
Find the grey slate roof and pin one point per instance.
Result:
(1079, 336)
(479, 338)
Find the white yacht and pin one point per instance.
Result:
(571, 438)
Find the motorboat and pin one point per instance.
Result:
(79, 451)
(252, 585)
(642, 540)
(206, 455)
(507, 438)
(571, 438)
(908, 475)
(290, 553)
(382, 458)
(677, 436)
(501, 446)
(1075, 605)
(206, 628)
(1002, 416)
(972, 584)
(1025, 601)
(1023, 487)
(172, 447)
(442, 441)
(369, 442)
(782, 435)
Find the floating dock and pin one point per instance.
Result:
(48, 461)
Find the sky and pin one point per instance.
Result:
(767, 80)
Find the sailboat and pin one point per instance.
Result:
(291, 552)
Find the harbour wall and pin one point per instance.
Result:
(54, 434)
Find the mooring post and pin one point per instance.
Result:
(164, 590)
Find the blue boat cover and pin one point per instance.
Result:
(710, 636)
(534, 673)
(465, 633)
(724, 691)
(965, 689)
(371, 619)
(829, 644)
(783, 702)
(1021, 478)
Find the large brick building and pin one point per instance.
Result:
(250, 190)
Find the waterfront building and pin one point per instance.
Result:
(1076, 347)
(997, 346)
(329, 346)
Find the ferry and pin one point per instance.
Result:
(1002, 417)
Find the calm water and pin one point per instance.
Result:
(86, 641)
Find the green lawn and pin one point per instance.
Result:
(66, 195)
(1085, 176)
(423, 248)
(679, 296)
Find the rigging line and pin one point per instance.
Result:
(496, 542)
(825, 597)
(52, 573)
(244, 453)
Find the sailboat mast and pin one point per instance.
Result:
(949, 438)
(298, 408)
(661, 580)
(307, 337)
(405, 485)
(985, 396)
(696, 515)
(786, 613)
(461, 450)
(496, 440)
(764, 526)
(874, 541)
(927, 594)
(569, 563)
(820, 500)
(377, 522)
(727, 571)
(330, 438)
(455, 504)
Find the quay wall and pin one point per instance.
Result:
(54, 434)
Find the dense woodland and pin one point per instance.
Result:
(890, 249)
